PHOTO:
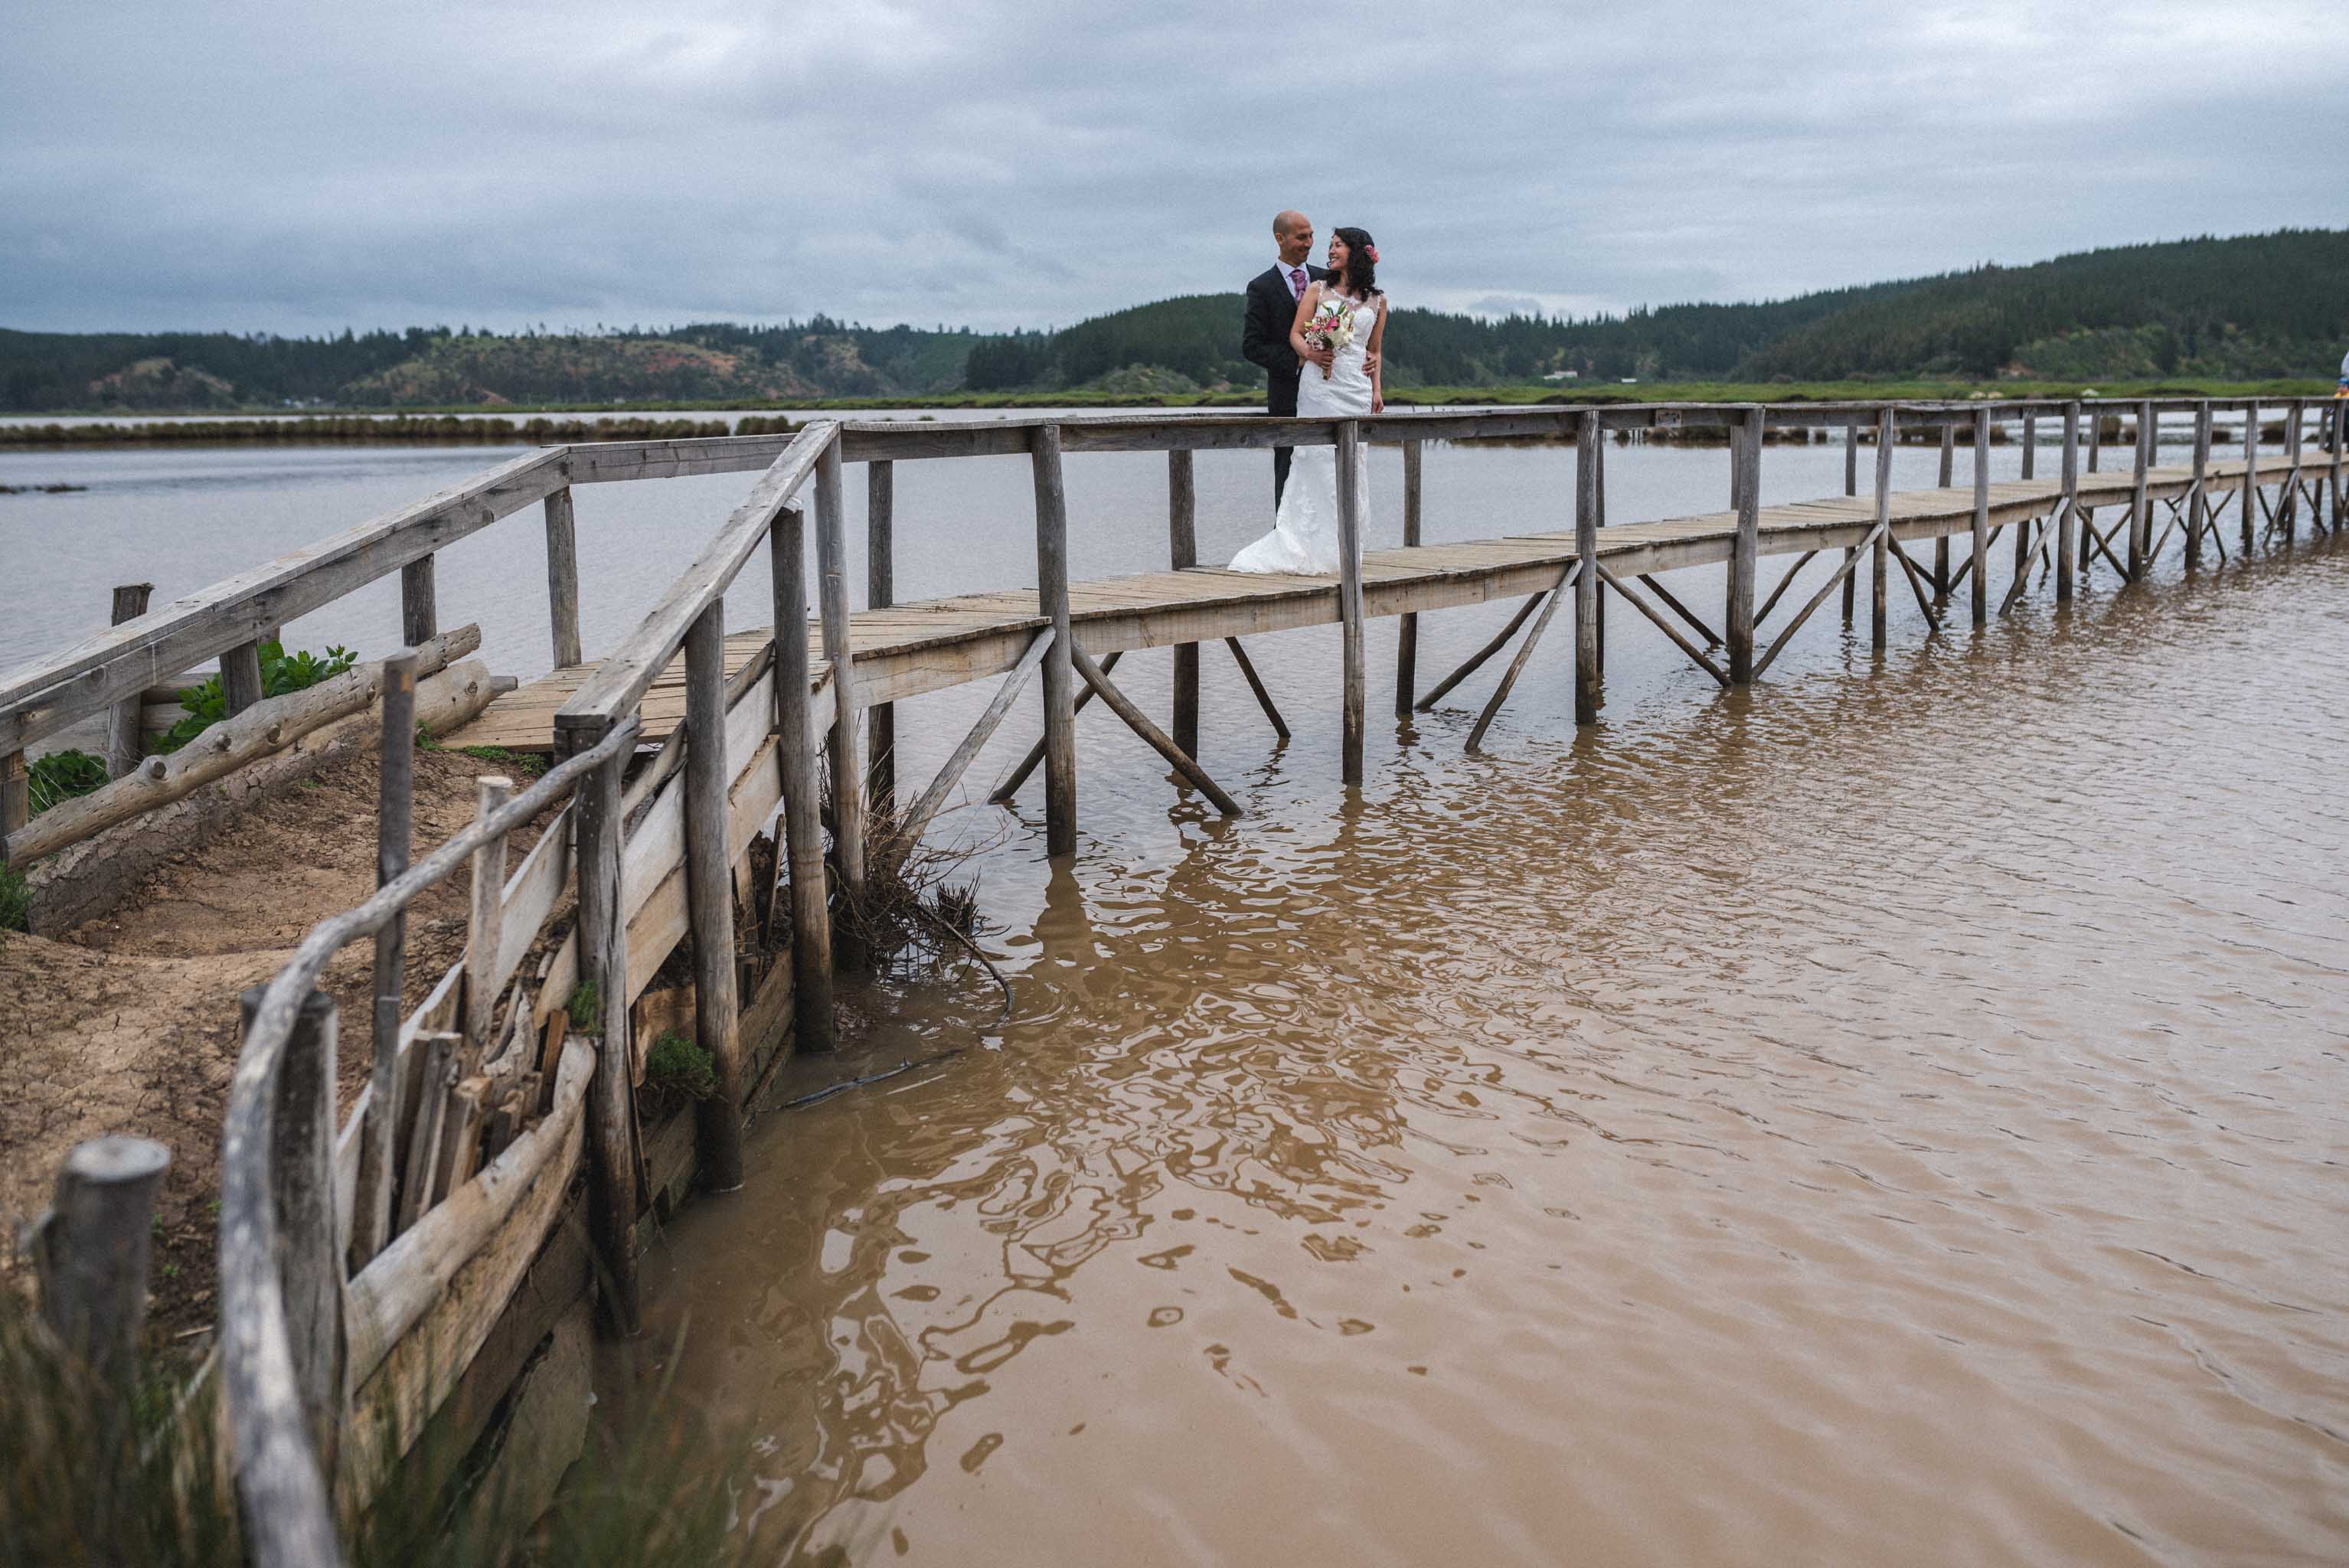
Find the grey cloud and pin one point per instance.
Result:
(276, 166)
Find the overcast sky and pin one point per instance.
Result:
(1002, 163)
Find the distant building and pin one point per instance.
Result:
(1563, 376)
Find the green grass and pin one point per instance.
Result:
(62, 775)
(16, 901)
(585, 1007)
(526, 763)
(677, 1066)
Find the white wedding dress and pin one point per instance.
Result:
(1304, 536)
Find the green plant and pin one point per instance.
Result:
(280, 673)
(676, 1065)
(61, 776)
(16, 901)
(585, 1006)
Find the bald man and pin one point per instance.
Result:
(1272, 297)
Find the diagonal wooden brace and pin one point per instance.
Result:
(1096, 679)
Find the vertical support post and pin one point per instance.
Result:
(803, 816)
(16, 795)
(2030, 446)
(1850, 487)
(1981, 517)
(1887, 433)
(881, 592)
(2288, 498)
(2023, 525)
(1060, 668)
(394, 840)
(2248, 502)
(1350, 593)
(420, 606)
(1745, 555)
(1182, 554)
(124, 720)
(302, 1193)
(1942, 543)
(1599, 469)
(485, 929)
(1407, 634)
(2067, 564)
(604, 964)
(1588, 689)
(709, 895)
(563, 579)
(1737, 468)
(847, 775)
(240, 669)
(2141, 518)
(2340, 419)
(90, 1252)
(2198, 504)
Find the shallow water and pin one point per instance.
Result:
(1895, 1115)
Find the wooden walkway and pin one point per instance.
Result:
(908, 649)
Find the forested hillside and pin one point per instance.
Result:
(2252, 307)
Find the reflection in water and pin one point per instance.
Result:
(1882, 1117)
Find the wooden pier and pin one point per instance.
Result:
(365, 1269)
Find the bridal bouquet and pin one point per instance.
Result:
(1331, 327)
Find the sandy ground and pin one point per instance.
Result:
(128, 1024)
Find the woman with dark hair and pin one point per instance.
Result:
(1345, 312)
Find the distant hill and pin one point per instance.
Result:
(2252, 307)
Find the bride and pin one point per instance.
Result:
(1304, 536)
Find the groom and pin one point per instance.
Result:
(1272, 297)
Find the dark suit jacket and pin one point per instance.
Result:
(1264, 333)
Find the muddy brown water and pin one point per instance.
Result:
(1894, 1115)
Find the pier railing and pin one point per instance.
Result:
(319, 1288)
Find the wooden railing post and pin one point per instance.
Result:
(485, 923)
(1887, 436)
(2198, 505)
(125, 721)
(563, 578)
(1588, 692)
(394, 842)
(847, 773)
(1407, 630)
(2023, 525)
(2068, 520)
(811, 1011)
(90, 1252)
(1981, 517)
(709, 895)
(1850, 487)
(881, 592)
(302, 1193)
(1182, 554)
(2030, 446)
(240, 670)
(2288, 498)
(1745, 554)
(2248, 502)
(16, 795)
(603, 966)
(1350, 594)
(420, 605)
(2141, 518)
(2340, 419)
(1941, 543)
(1060, 668)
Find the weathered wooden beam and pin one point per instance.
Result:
(1525, 652)
(2198, 518)
(563, 579)
(2141, 518)
(485, 930)
(2288, 498)
(1011, 782)
(1588, 694)
(1476, 660)
(1738, 620)
(848, 815)
(1060, 668)
(1844, 575)
(1255, 685)
(814, 1028)
(1785, 582)
(1139, 722)
(1407, 629)
(1182, 554)
(394, 842)
(123, 734)
(2250, 475)
(1980, 559)
(880, 593)
(1664, 596)
(1943, 583)
(89, 1252)
(927, 806)
(603, 966)
(1669, 630)
(1886, 434)
(1356, 682)
(240, 675)
(220, 749)
(710, 896)
(419, 602)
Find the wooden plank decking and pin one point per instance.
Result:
(906, 649)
